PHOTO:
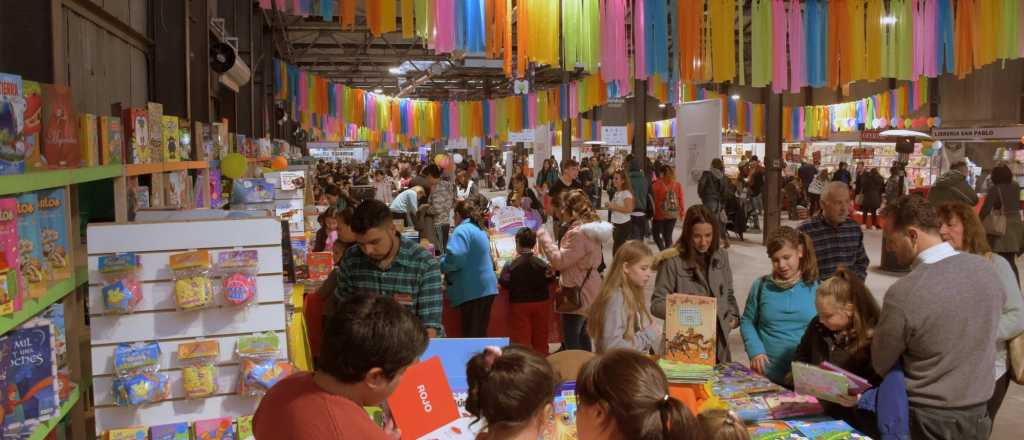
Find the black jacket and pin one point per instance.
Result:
(526, 278)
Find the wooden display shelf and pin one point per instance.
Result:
(34, 181)
(43, 429)
(139, 169)
(31, 307)
(259, 159)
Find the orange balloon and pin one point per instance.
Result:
(279, 163)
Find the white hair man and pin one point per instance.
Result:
(838, 240)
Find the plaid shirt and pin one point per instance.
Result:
(413, 279)
(836, 246)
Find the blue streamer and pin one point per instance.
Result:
(656, 37)
(563, 101)
(277, 76)
(444, 119)
(732, 113)
(474, 27)
(487, 117)
(327, 10)
(815, 32)
(945, 44)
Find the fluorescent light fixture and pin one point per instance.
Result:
(395, 70)
(662, 105)
(735, 97)
(888, 19)
(378, 91)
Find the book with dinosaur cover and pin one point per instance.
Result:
(9, 249)
(53, 233)
(136, 124)
(690, 329)
(89, 139)
(171, 134)
(111, 140)
(12, 125)
(155, 111)
(33, 130)
(30, 394)
(60, 128)
(30, 246)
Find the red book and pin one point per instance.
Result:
(320, 265)
(423, 401)
(60, 128)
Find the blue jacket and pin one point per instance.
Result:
(889, 402)
(467, 265)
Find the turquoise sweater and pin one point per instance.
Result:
(467, 265)
(773, 322)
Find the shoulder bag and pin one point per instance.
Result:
(570, 299)
(995, 221)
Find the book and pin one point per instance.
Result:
(245, 431)
(185, 140)
(503, 249)
(170, 139)
(292, 212)
(136, 125)
(562, 425)
(60, 128)
(155, 113)
(9, 249)
(320, 265)
(770, 430)
(30, 246)
(858, 384)
(31, 392)
(221, 140)
(749, 409)
(139, 198)
(823, 430)
(171, 431)
(111, 141)
(690, 335)
(216, 189)
(53, 233)
(177, 194)
(292, 180)
(8, 286)
(787, 404)
(222, 428)
(33, 129)
(251, 191)
(89, 139)
(300, 254)
(819, 382)
(422, 403)
(134, 433)
(12, 125)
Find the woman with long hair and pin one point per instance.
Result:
(620, 208)
(962, 229)
(469, 270)
(577, 257)
(620, 317)
(518, 191)
(697, 265)
(1004, 196)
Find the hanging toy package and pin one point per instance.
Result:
(137, 378)
(259, 363)
(237, 271)
(198, 375)
(193, 288)
(121, 288)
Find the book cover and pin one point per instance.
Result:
(30, 246)
(251, 191)
(264, 147)
(818, 382)
(690, 329)
(245, 428)
(54, 315)
(155, 113)
(185, 140)
(111, 140)
(139, 198)
(857, 384)
(823, 430)
(172, 431)
(789, 404)
(503, 249)
(31, 393)
(157, 189)
(750, 409)
(455, 353)
(176, 187)
(136, 124)
(320, 265)
(171, 134)
(222, 428)
(60, 128)
(562, 425)
(300, 254)
(423, 402)
(33, 130)
(134, 433)
(12, 125)
(292, 180)
(8, 286)
(89, 139)
(9, 248)
(770, 430)
(291, 211)
(53, 233)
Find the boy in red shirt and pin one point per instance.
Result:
(367, 346)
(668, 206)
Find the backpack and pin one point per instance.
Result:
(670, 206)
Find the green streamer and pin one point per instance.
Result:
(761, 43)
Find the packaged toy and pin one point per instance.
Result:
(193, 288)
(199, 374)
(121, 288)
(237, 271)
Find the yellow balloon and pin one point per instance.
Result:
(233, 165)
(439, 159)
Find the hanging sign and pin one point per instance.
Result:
(979, 133)
(521, 136)
(615, 135)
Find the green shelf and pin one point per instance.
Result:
(43, 429)
(34, 181)
(31, 307)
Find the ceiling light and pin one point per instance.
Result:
(662, 105)
(735, 97)
(888, 19)
(378, 91)
(395, 70)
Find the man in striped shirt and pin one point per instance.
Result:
(838, 240)
(384, 263)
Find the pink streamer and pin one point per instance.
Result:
(639, 43)
(615, 59)
(444, 22)
(531, 111)
(371, 111)
(264, 4)
(280, 5)
(297, 7)
(493, 118)
(303, 90)
(800, 123)
(917, 11)
(780, 80)
(574, 100)
(931, 39)
(797, 59)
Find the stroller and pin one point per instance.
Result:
(737, 211)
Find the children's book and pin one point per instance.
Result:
(292, 212)
(136, 125)
(33, 130)
(31, 392)
(562, 426)
(824, 430)
(171, 132)
(423, 401)
(8, 286)
(251, 191)
(320, 265)
(300, 255)
(690, 329)
(245, 428)
(785, 405)
(155, 112)
(12, 125)
(185, 140)
(134, 433)
(770, 430)
(222, 428)
(9, 248)
(749, 409)
(172, 431)
(30, 246)
(53, 233)
(177, 190)
(819, 382)
(292, 180)
(60, 139)
(89, 139)
(139, 196)
(503, 249)
(857, 384)
(111, 140)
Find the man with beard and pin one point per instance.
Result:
(384, 263)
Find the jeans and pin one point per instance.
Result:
(476, 317)
(970, 423)
(639, 227)
(662, 231)
(621, 234)
(574, 330)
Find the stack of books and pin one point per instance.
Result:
(789, 404)
(678, 372)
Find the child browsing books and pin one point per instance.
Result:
(722, 424)
(512, 389)
(620, 316)
(527, 279)
(841, 336)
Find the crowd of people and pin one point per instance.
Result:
(387, 293)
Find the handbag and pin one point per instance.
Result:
(1015, 358)
(570, 299)
(995, 221)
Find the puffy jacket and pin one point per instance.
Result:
(580, 250)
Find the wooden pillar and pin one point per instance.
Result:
(772, 192)
(639, 149)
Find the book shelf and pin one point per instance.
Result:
(44, 429)
(35, 181)
(31, 307)
(141, 169)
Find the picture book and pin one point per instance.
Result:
(12, 125)
(320, 265)
(53, 233)
(157, 186)
(139, 197)
(819, 382)
(503, 249)
(789, 404)
(264, 147)
(33, 129)
(185, 140)
(8, 286)
(9, 249)
(749, 409)
(562, 426)
(111, 141)
(824, 430)
(245, 428)
(770, 430)
(455, 354)
(134, 433)
(300, 254)
(31, 393)
(177, 193)
(292, 212)
(423, 400)
(30, 246)
(222, 428)
(172, 431)
(251, 191)
(690, 329)
(136, 125)
(292, 180)
(89, 139)
(60, 128)
(155, 113)
(857, 384)
(55, 316)
(170, 142)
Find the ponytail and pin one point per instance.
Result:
(676, 420)
(508, 387)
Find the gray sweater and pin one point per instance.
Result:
(941, 319)
(648, 336)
